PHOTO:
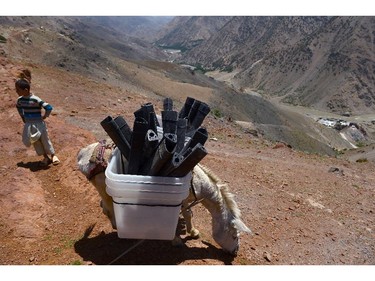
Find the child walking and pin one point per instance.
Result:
(35, 131)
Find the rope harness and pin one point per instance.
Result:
(196, 201)
(100, 157)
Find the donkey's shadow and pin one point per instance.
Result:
(106, 249)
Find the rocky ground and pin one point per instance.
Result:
(303, 209)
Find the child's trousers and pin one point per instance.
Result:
(44, 144)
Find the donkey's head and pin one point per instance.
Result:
(226, 216)
(226, 227)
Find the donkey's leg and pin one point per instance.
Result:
(188, 214)
(191, 231)
(106, 201)
(177, 241)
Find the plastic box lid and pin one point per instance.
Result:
(125, 185)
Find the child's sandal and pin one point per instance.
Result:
(55, 160)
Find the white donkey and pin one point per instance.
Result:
(206, 189)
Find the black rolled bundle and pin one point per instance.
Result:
(171, 150)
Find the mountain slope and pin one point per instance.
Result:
(245, 40)
(331, 70)
(77, 44)
(187, 32)
(322, 62)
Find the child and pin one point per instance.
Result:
(30, 107)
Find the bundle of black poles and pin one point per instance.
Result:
(170, 150)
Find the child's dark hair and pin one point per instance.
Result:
(23, 84)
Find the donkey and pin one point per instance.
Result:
(206, 188)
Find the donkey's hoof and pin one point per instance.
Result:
(177, 242)
(194, 233)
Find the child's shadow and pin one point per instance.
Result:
(33, 166)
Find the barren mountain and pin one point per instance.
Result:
(245, 40)
(303, 208)
(333, 69)
(321, 62)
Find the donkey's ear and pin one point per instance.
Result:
(241, 226)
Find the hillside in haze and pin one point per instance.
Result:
(142, 27)
(80, 44)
